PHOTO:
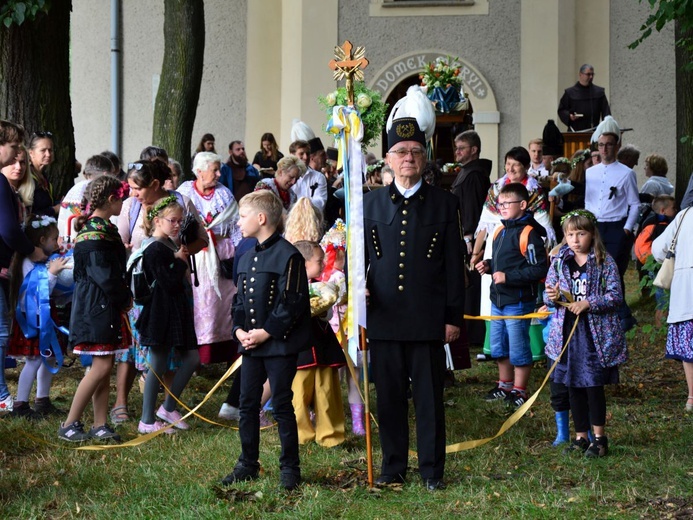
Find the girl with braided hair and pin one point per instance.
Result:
(100, 301)
(166, 322)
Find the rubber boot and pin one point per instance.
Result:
(562, 428)
(357, 419)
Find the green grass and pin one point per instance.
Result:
(646, 475)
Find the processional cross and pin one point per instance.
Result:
(349, 66)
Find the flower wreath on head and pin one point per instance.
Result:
(584, 155)
(579, 213)
(377, 166)
(43, 221)
(154, 212)
(561, 160)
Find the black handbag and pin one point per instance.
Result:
(187, 235)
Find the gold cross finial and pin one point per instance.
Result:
(349, 66)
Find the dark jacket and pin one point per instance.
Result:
(325, 350)
(273, 295)
(414, 259)
(101, 294)
(471, 187)
(522, 272)
(589, 101)
(167, 319)
(12, 238)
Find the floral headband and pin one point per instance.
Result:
(377, 166)
(335, 237)
(586, 154)
(561, 160)
(579, 213)
(43, 221)
(122, 191)
(154, 212)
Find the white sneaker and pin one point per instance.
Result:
(6, 405)
(230, 413)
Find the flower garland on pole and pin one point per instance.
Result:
(348, 128)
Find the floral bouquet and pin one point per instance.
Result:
(370, 105)
(442, 78)
(452, 168)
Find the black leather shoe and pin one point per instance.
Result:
(239, 474)
(434, 484)
(388, 480)
(289, 481)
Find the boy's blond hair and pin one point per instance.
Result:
(307, 248)
(264, 201)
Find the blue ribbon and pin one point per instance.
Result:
(35, 317)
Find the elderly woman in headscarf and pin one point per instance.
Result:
(213, 296)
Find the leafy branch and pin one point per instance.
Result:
(17, 12)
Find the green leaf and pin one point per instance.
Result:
(7, 21)
(18, 17)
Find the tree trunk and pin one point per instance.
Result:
(684, 110)
(35, 84)
(181, 76)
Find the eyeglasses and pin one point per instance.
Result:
(416, 153)
(506, 204)
(135, 166)
(174, 221)
(42, 135)
(462, 148)
(606, 145)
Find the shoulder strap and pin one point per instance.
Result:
(524, 237)
(133, 214)
(676, 235)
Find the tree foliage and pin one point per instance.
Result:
(680, 12)
(16, 12)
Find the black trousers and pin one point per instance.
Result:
(617, 243)
(588, 406)
(560, 397)
(394, 364)
(280, 370)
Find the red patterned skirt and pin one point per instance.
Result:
(21, 347)
(107, 349)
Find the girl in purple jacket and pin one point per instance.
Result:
(583, 282)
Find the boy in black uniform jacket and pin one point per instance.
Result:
(271, 316)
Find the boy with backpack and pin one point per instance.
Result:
(518, 264)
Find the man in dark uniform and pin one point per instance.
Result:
(584, 104)
(471, 187)
(416, 302)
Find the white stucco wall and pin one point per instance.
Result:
(490, 43)
(643, 95)
(221, 109)
(640, 83)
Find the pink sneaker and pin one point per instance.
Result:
(151, 428)
(172, 417)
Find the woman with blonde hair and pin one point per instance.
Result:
(304, 222)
